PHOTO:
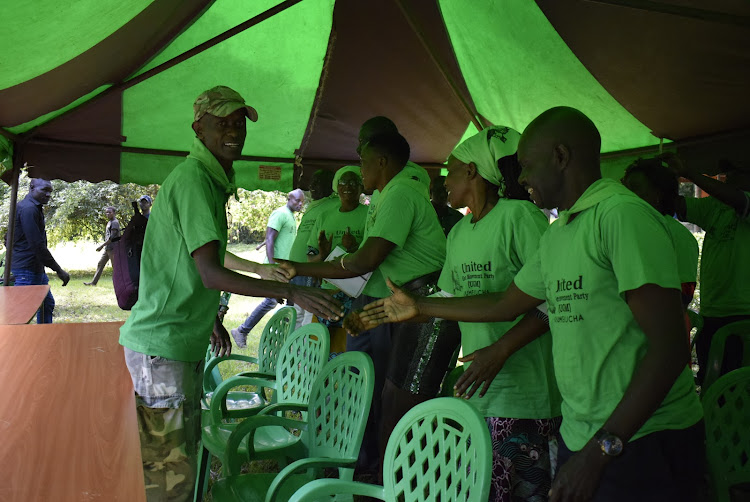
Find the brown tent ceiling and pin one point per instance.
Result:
(683, 73)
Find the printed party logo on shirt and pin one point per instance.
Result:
(471, 276)
(568, 295)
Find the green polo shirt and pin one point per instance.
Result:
(404, 216)
(306, 226)
(483, 257)
(282, 220)
(615, 243)
(725, 262)
(175, 313)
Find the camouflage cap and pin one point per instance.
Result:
(220, 101)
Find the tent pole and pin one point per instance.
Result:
(443, 71)
(10, 234)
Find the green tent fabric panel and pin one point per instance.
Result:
(49, 116)
(275, 65)
(516, 66)
(264, 175)
(47, 33)
(147, 169)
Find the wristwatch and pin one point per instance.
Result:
(610, 444)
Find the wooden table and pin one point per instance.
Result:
(68, 429)
(18, 304)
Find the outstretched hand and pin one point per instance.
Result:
(318, 301)
(354, 325)
(286, 268)
(400, 306)
(274, 272)
(486, 363)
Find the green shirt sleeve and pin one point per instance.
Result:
(194, 206)
(394, 219)
(529, 279)
(278, 219)
(639, 246)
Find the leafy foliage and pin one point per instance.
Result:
(76, 210)
(248, 217)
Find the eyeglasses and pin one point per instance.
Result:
(351, 183)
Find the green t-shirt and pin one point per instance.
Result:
(686, 248)
(282, 220)
(615, 243)
(175, 313)
(307, 224)
(414, 172)
(725, 267)
(483, 258)
(404, 216)
(334, 223)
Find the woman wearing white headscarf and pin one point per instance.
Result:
(485, 250)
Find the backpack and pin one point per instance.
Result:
(126, 260)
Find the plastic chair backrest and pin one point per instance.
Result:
(726, 409)
(716, 354)
(300, 361)
(439, 450)
(277, 329)
(339, 406)
(696, 322)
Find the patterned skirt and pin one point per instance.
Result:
(523, 456)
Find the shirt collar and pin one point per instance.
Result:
(596, 192)
(202, 154)
(33, 200)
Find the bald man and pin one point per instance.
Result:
(607, 269)
(280, 234)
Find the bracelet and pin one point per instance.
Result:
(341, 262)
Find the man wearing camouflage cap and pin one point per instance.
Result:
(184, 268)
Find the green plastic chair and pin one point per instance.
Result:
(330, 436)
(277, 329)
(450, 380)
(726, 409)
(300, 360)
(440, 450)
(696, 322)
(740, 329)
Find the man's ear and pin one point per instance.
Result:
(198, 129)
(562, 156)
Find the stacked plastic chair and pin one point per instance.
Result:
(717, 350)
(726, 409)
(273, 336)
(440, 450)
(331, 435)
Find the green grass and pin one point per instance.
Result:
(79, 303)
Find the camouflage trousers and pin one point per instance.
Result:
(167, 395)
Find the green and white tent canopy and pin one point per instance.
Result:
(102, 89)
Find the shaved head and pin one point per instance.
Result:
(559, 154)
(374, 127)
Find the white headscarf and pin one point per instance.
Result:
(485, 148)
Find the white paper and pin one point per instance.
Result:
(353, 286)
